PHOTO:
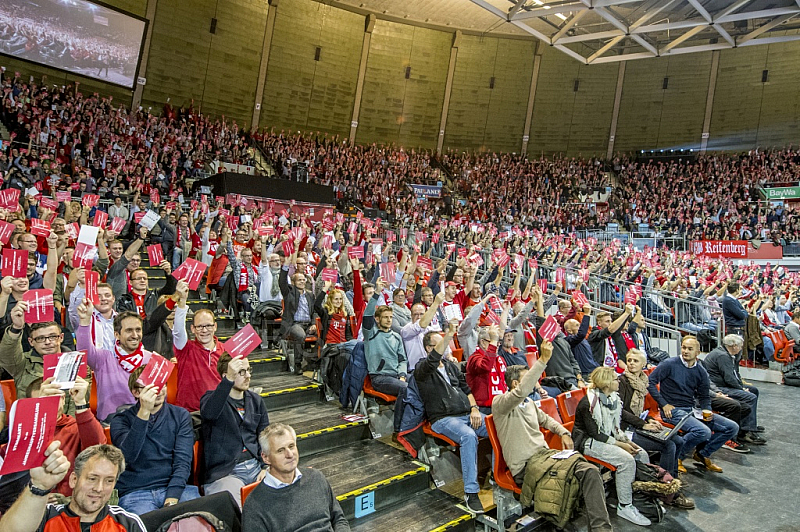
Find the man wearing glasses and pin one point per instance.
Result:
(233, 417)
(197, 359)
(139, 297)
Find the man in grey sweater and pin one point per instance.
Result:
(722, 365)
(287, 498)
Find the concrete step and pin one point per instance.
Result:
(428, 511)
(322, 426)
(284, 390)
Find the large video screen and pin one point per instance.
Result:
(81, 37)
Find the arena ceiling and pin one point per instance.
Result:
(604, 31)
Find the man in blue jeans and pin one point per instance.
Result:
(684, 383)
(156, 439)
(451, 408)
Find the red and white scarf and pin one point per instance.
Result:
(129, 361)
(244, 278)
(611, 359)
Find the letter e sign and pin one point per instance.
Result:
(365, 504)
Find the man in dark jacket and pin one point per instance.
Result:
(233, 417)
(297, 320)
(576, 338)
(722, 365)
(732, 311)
(562, 363)
(607, 342)
(156, 439)
(451, 408)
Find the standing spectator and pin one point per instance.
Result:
(486, 370)
(233, 417)
(733, 312)
(383, 348)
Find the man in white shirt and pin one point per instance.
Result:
(102, 327)
(413, 333)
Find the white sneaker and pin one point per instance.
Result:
(631, 513)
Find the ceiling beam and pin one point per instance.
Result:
(600, 35)
(772, 40)
(545, 11)
(514, 9)
(571, 21)
(678, 40)
(700, 9)
(650, 13)
(763, 29)
(724, 34)
(664, 26)
(608, 46)
(624, 57)
(645, 44)
(699, 48)
(612, 19)
(490, 8)
(764, 13)
(732, 8)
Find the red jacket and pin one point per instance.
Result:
(76, 435)
(59, 518)
(197, 373)
(486, 375)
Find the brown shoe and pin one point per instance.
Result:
(711, 466)
(681, 469)
(681, 502)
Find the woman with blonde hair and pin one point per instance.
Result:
(334, 316)
(597, 433)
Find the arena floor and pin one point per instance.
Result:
(758, 491)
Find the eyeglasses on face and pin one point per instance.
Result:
(205, 327)
(46, 339)
(244, 372)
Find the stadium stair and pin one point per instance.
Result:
(363, 472)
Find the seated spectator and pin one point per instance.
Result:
(576, 338)
(233, 417)
(518, 422)
(287, 498)
(112, 369)
(632, 392)
(96, 472)
(269, 292)
(598, 434)
(732, 310)
(414, 332)
(383, 348)
(722, 365)
(486, 370)
(451, 409)
(733, 410)
(683, 383)
(156, 439)
(792, 330)
(197, 358)
(77, 432)
(297, 321)
(26, 366)
(608, 345)
(333, 316)
(562, 363)
(401, 314)
(141, 298)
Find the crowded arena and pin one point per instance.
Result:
(216, 322)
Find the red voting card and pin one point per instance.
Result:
(40, 305)
(156, 254)
(67, 376)
(62, 196)
(117, 224)
(502, 260)
(389, 271)
(92, 278)
(580, 298)
(72, 230)
(48, 203)
(352, 227)
(425, 262)
(243, 342)
(100, 219)
(288, 247)
(391, 236)
(155, 197)
(32, 424)
(542, 285)
(90, 200)
(15, 262)
(40, 227)
(356, 252)
(6, 229)
(83, 257)
(327, 242)
(462, 252)
(137, 216)
(191, 271)
(329, 274)
(549, 329)
(156, 372)
(450, 247)
(560, 275)
(631, 296)
(9, 198)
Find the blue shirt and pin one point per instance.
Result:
(681, 386)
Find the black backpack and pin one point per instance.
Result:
(657, 356)
(649, 506)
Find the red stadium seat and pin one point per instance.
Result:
(369, 390)
(246, 490)
(502, 475)
(549, 407)
(426, 428)
(568, 403)
(9, 392)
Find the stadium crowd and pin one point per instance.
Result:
(447, 307)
